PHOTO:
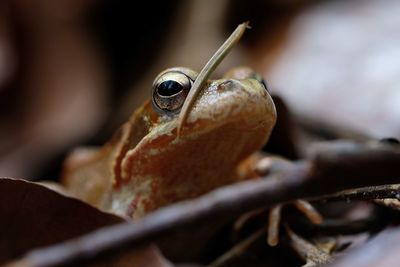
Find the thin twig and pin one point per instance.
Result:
(274, 220)
(389, 202)
(210, 66)
(364, 193)
(312, 254)
(308, 210)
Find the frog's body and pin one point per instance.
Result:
(146, 165)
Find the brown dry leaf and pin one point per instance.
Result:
(33, 216)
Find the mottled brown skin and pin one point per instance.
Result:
(146, 166)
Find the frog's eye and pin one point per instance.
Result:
(170, 90)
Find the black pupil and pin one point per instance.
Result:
(168, 88)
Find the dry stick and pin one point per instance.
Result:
(312, 254)
(309, 211)
(210, 66)
(333, 167)
(363, 193)
(389, 202)
(274, 219)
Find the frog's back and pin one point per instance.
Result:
(90, 173)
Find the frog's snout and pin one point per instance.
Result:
(243, 102)
(256, 104)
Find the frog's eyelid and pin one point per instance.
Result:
(207, 70)
(191, 74)
(169, 75)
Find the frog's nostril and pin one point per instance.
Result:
(225, 85)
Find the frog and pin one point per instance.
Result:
(193, 135)
(146, 165)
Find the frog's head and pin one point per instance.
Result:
(239, 99)
(166, 159)
(231, 118)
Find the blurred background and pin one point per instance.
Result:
(72, 71)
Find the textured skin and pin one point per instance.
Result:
(146, 166)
